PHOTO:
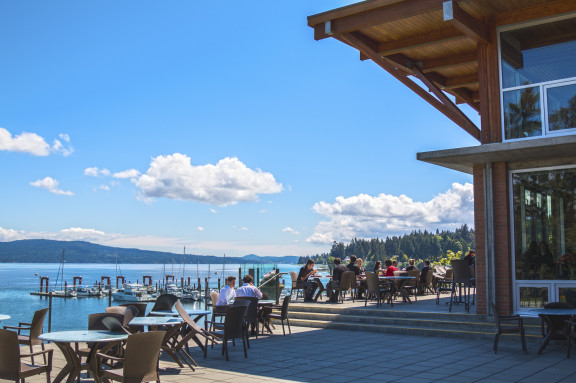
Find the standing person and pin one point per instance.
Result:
(248, 289)
(334, 283)
(411, 265)
(227, 294)
(302, 281)
(390, 269)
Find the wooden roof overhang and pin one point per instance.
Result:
(435, 41)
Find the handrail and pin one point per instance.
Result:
(276, 276)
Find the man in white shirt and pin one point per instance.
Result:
(228, 293)
(248, 289)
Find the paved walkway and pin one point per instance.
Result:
(323, 355)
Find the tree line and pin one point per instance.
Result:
(418, 245)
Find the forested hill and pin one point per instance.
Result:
(48, 251)
(418, 245)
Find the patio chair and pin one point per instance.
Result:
(140, 361)
(233, 328)
(347, 283)
(283, 315)
(553, 327)
(571, 334)
(444, 284)
(129, 312)
(192, 331)
(140, 306)
(11, 366)
(501, 328)
(34, 329)
(251, 314)
(165, 302)
(411, 285)
(427, 285)
(295, 287)
(461, 281)
(375, 289)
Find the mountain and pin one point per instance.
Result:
(49, 251)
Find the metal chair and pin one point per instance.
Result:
(508, 329)
(233, 328)
(347, 284)
(375, 289)
(460, 281)
(34, 329)
(11, 366)
(283, 315)
(165, 302)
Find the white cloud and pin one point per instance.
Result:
(243, 228)
(289, 230)
(81, 234)
(10, 235)
(226, 183)
(130, 173)
(365, 216)
(200, 228)
(213, 211)
(51, 185)
(33, 144)
(105, 187)
(96, 172)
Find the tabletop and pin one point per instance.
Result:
(4, 317)
(155, 321)
(83, 336)
(553, 311)
(396, 277)
(266, 302)
(175, 313)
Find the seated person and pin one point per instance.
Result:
(411, 266)
(395, 264)
(359, 264)
(390, 269)
(378, 267)
(471, 258)
(248, 289)
(334, 283)
(227, 294)
(352, 265)
(302, 281)
(424, 275)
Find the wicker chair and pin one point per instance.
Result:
(283, 315)
(11, 366)
(375, 289)
(34, 329)
(347, 284)
(500, 329)
(554, 326)
(411, 285)
(140, 306)
(165, 302)
(251, 314)
(233, 328)
(295, 287)
(140, 361)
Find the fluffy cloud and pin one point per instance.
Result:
(10, 235)
(365, 216)
(33, 144)
(289, 230)
(51, 185)
(130, 173)
(96, 172)
(226, 183)
(80, 234)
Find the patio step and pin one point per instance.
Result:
(402, 322)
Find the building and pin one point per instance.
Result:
(513, 61)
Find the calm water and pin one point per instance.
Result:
(17, 280)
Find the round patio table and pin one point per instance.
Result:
(400, 288)
(62, 339)
(553, 333)
(197, 312)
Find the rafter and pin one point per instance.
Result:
(448, 109)
(449, 61)
(418, 41)
(465, 23)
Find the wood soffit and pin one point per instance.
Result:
(434, 41)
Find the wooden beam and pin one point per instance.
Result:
(385, 14)
(540, 11)
(358, 42)
(449, 61)
(465, 23)
(418, 41)
(460, 82)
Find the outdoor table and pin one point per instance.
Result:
(321, 288)
(155, 321)
(62, 339)
(262, 304)
(4, 317)
(545, 314)
(400, 288)
(199, 313)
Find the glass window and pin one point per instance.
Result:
(567, 294)
(533, 297)
(544, 206)
(522, 117)
(561, 102)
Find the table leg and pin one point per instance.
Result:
(72, 367)
(403, 291)
(320, 288)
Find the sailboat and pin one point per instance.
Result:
(63, 292)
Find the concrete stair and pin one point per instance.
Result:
(422, 323)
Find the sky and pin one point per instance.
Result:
(222, 127)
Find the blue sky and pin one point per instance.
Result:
(223, 127)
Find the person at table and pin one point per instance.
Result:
(411, 265)
(309, 286)
(334, 283)
(378, 267)
(359, 264)
(395, 264)
(390, 269)
(227, 294)
(424, 275)
(248, 289)
(352, 265)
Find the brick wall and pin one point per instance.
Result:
(478, 174)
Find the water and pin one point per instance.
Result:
(17, 280)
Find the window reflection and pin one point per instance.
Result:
(561, 107)
(522, 117)
(533, 297)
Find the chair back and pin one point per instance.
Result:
(234, 322)
(141, 356)
(461, 271)
(400, 273)
(429, 277)
(140, 306)
(348, 277)
(294, 278)
(165, 302)
(372, 283)
(9, 355)
(413, 282)
(252, 311)
(285, 304)
(214, 295)
(129, 313)
(37, 324)
(96, 321)
(449, 274)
